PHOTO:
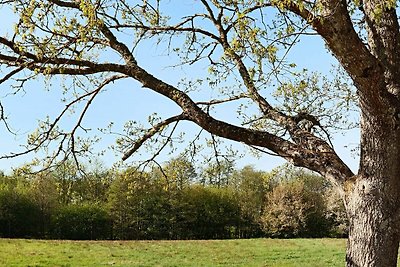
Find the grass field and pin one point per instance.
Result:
(253, 252)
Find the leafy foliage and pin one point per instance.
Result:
(79, 222)
(296, 207)
(19, 215)
(148, 205)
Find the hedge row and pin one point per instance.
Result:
(135, 205)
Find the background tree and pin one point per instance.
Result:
(43, 192)
(93, 185)
(67, 175)
(251, 187)
(126, 204)
(244, 43)
(296, 208)
(218, 173)
(19, 216)
(81, 222)
(177, 174)
(336, 214)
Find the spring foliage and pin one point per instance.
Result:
(132, 204)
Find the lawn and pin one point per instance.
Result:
(250, 252)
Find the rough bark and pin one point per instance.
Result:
(372, 197)
(373, 235)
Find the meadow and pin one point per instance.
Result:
(248, 252)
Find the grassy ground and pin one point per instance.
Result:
(254, 252)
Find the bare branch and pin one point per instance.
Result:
(4, 119)
(221, 101)
(48, 135)
(10, 74)
(151, 132)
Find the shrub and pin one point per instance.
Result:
(81, 222)
(206, 213)
(294, 209)
(336, 214)
(19, 216)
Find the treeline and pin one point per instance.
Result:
(178, 201)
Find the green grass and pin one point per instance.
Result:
(252, 252)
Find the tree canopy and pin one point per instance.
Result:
(243, 43)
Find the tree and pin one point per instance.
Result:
(19, 216)
(217, 173)
(296, 208)
(43, 193)
(244, 43)
(66, 176)
(176, 174)
(207, 212)
(336, 214)
(251, 186)
(126, 197)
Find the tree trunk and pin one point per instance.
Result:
(372, 197)
(373, 234)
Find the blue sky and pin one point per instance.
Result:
(127, 100)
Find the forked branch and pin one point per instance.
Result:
(151, 132)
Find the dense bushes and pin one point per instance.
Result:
(293, 210)
(19, 216)
(81, 222)
(142, 209)
(207, 213)
(173, 204)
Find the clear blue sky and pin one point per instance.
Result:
(127, 100)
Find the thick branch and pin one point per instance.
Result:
(326, 163)
(384, 39)
(335, 26)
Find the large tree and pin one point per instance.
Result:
(245, 43)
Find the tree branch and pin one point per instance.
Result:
(151, 132)
(49, 134)
(47, 65)
(11, 73)
(221, 101)
(336, 28)
(113, 41)
(303, 154)
(304, 149)
(384, 38)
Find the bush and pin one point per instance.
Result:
(19, 216)
(336, 214)
(294, 209)
(81, 222)
(206, 213)
(150, 211)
